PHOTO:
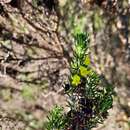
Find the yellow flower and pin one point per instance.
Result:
(84, 71)
(75, 80)
(87, 60)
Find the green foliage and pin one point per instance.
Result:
(89, 98)
(75, 79)
(56, 119)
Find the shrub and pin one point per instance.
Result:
(89, 100)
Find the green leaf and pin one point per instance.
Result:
(56, 119)
(106, 103)
(84, 71)
(75, 80)
(87, 60)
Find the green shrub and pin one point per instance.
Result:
(89, 100)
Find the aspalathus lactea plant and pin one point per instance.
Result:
(89, 100)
